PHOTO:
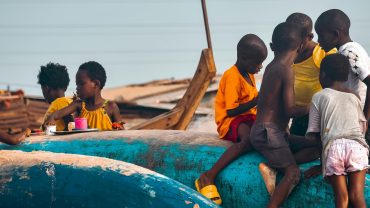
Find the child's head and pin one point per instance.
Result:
(90, 79)
(251, 52)
(334, 68)
(304, 21)
(332, 27)
(287, 37)
(54, 80)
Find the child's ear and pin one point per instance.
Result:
(336, 34)
(300, 48)
(272, 46)
(97, 83)
(310, 36)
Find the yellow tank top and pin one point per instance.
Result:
(98, 118)
(307, 72)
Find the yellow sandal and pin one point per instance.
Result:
(210, 192)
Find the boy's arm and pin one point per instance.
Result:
(14, 139)
(316, 169)
(367, 101)
(59, 114)
(313, 134)
(291, 110)
(242, 108)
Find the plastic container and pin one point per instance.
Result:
(50, 130)
(80, 123)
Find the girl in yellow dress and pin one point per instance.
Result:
(100, 113)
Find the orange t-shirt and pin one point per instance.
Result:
(233, 90)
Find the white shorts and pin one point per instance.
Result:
(346, 155)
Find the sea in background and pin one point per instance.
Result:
(142, 40)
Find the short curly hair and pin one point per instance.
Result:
(95, 71)
(336, 67)
(54, 76)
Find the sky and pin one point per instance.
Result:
(142, 40)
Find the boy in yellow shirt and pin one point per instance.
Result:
(54, 80)
(235, 109)
(306, 69)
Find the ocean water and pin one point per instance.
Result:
(142, 40)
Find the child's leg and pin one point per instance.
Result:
(291, 178)
(356, 183)
(339, 185)
(233, 152)
(304, 150)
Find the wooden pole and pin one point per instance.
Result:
(206, 25)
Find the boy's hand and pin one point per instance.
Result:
(48, 121)
(313, 171)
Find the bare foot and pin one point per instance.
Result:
(205, 180)
(269, 177)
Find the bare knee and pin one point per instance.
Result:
(293, 174)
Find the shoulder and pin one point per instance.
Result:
(112, 105)
(353, 50)
(61, 102)
(232, 72)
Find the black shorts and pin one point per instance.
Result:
(272, 143)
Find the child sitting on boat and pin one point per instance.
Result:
(54, 80)
(14, 139)
(276, 105)
(235, 109)
(337, 121)
(100, 113)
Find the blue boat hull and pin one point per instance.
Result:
(44, 179)
(183, 156)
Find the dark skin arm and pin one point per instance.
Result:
(314, 170)
(60, 114)
(115, 116)
(15, 138)
(242, 108)
(291, 110)
(367, 102)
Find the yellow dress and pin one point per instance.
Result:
(98, 118)
(233, 90)
(307, 72)
(58, 104)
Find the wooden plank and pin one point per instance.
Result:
(193, 96)
(164, 121)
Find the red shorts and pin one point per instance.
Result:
(232, 134)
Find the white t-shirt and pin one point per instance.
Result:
(360, 62)
(336, 115)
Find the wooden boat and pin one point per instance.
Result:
(44, 179)
(183, 156)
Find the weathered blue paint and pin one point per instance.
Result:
(57, 183)
(183, 156)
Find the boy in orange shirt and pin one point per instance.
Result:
(235, 109)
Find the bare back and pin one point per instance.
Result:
(276, 102)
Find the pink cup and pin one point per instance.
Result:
(80, 123)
